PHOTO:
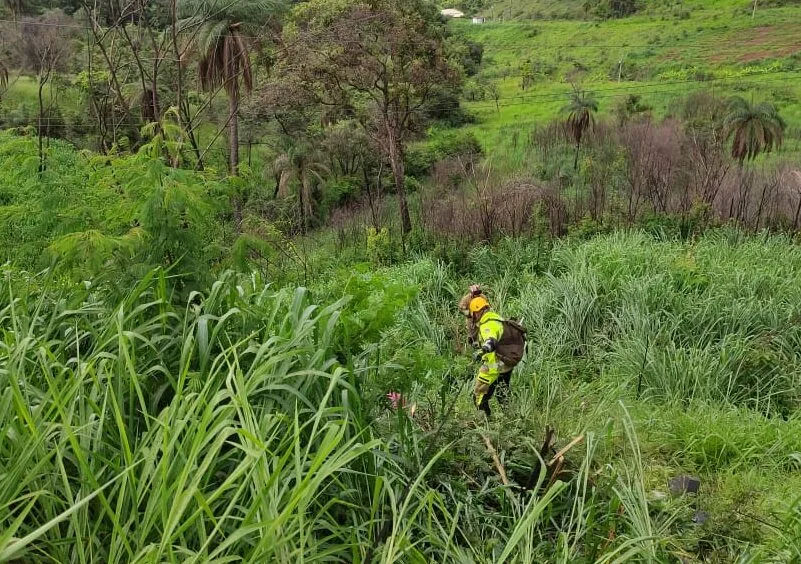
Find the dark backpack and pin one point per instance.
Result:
(512, 346)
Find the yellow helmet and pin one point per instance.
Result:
(478, 303)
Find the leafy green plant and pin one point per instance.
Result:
(378, 245)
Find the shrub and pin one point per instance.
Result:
(440, 145)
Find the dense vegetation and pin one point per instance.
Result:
(233, 238)
(246, 422)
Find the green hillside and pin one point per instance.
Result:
(588, 9)
(660, 55)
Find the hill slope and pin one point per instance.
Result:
(659, 54)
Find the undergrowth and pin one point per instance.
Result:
(244, 422)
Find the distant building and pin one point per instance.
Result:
(478, 20)
(452, 13)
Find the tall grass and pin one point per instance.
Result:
(246, 423)
(697, 338)
(711, 320)
(138, 430)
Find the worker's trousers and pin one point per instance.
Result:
(485, 392)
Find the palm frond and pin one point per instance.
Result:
(283, 182)
(580, 112)
(250, 11)
(243, 60)
(753, 129)
(211, 35)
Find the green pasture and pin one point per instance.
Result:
(575, 9)
(717, 47)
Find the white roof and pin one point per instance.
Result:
(452, 13)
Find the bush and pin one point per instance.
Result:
(440, 145)
(615, 8)
(339, 192)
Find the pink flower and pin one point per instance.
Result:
(396, 399)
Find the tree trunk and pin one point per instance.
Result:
(305, 188)
(185, 120)
(148, 96)
(301, 202)
(575, 159)
(753, 14)
(233, 139)
(114, 79)
(370, 196)
(233, 134)
(277, 185)
(399, 172)
(40, 128)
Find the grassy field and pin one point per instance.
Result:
(575, 9)
(714, 46)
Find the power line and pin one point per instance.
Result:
(526, 99)
(711, 42)
(615, 91)
(545, 98)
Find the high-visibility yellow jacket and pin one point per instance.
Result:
(490, 327)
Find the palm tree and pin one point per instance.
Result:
(224, 56)
(580, 117)
(303, 164)
(754, 128)
(225, 62)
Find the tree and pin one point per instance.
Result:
(527, 75)
(382, 60)
(224, 56)
(580, 117)
(303, 164)
(753, 128)
(612, 8)
(43, 44)
(630, 107)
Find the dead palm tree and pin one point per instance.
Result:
(580, 117)
(753, 128)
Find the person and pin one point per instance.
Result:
(500, 346)
(464, 307)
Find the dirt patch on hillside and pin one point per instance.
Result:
(783, 51)
(766, 42)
